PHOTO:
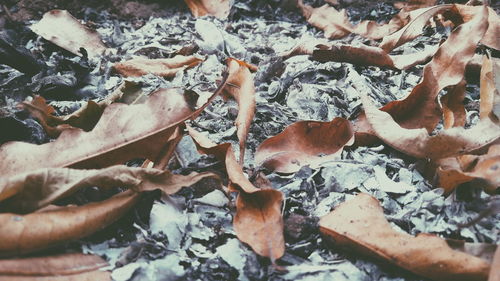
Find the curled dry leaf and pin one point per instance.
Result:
(420, 108)
(160, 67)
(258, 220)
(85, 117)
(305, 143)
(217, 8)
(27, 233)
(124, 132)
(71, 266)
(454, 171)
(30, 191)
(359, 224)
(240, 86)
(454, 114)
(336, 24)
(489, 91)
(62, 29)
(366, 55)
(418, 143)
(413, 29)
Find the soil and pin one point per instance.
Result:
(200, 244)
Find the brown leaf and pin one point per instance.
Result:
(489, 91)
(33, 190)
(259, 223)
(217, 8)
(62, 29)
(359, 224)
(417, 142)
(336, 24)
(160, 67)
(454, 171)
(27, 233)
(420, 108)
(240, 86)
(124, 132)
(413, 29)
(305, 143)
(67, 265)
(258, 220)
(495, 267)
(85, 117)
(453, 107)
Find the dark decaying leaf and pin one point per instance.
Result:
(62, 29)
(359, 225)
(305, 143)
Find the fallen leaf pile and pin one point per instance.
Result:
(99, 145)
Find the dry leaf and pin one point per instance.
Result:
(420, 108)
(160, 67)
(454, 171)
(336, 24)
(27, 233)
(124, 132)
(258, 220)
(70, 266)
(489, 91)
(240, 86)
(454, 114)
(359, 224)
(413, 29)
(62, 29)
(495, 267)
(217, 8)
(30, 191)
(418, 143)
(305, 143)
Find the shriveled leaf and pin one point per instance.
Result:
(259, 223)
(124, 132)
(62, 29)
(454, 114)
(336, 24)
(413, 29)
(489, 91)
(160, 67)
(359, 224)
(27, 233)
(68, 265)
(420, 108)
(418, 143)
(240, 86)
(258, 220)
(454, 171)
(217, 8)
(33, 190)
(305, 143)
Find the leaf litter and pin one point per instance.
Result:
(191, 234)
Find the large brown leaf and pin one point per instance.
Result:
(124, 132)
(217, 8)
(336, 24)
(305, 143)
(457, 170)
(258, 220)
(161, 67)
(62, 29)
(27, 233)
(30, 191)
(241, 88)
(69, 266)
(420, 108)
(359, 224)
(418, 143)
